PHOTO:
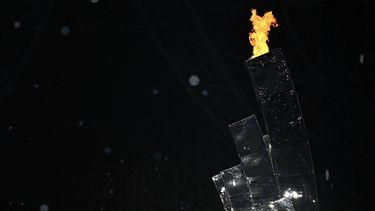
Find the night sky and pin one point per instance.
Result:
(124, 105)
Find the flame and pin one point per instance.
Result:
(259, 35)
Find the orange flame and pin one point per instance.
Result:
(259, 35)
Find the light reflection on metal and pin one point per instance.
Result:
(276, 170)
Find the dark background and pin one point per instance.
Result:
(97, 111)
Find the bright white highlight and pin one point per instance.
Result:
(292, 194)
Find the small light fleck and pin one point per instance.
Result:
(65, 30)
(327, 174)
(17, 24)
(361, 58)
(194, 80)
(44, 207)
(205, 92)
(155, 91)
(108, 150)
(80, 123)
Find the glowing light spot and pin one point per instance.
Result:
(80, 123)
(286, 194)
(65, 30)
(44, 207)
(108, 150)
(205, 92)
(17, 24)
(361, 59)
(295, 195)
(155, 91)
(292, 194)
(194, 80)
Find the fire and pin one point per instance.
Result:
(259, 35)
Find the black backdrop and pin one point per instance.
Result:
(98, 113)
